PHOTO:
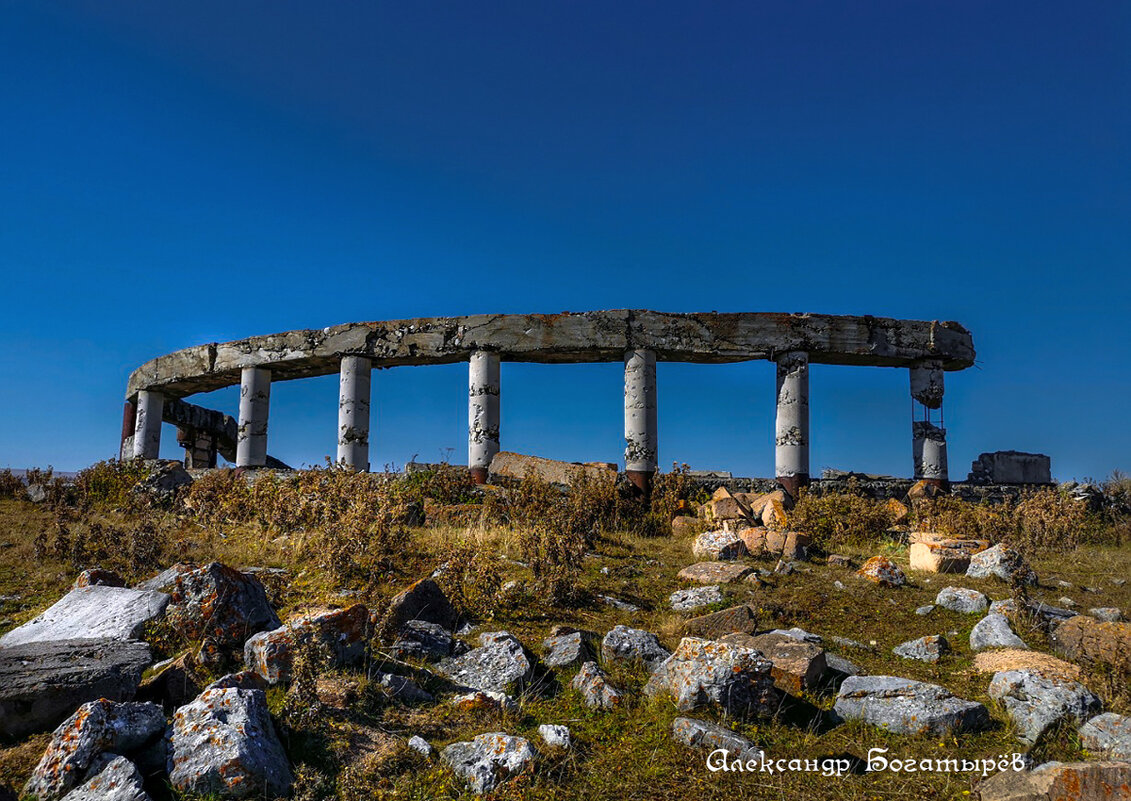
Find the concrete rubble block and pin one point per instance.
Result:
(994, 631)
(1011, 467)
(787, 544)
(96, 727)
(555, 736)
(741, 619)
(797, 665)
(224, 743)
(624, 644)
(925, 649)
(419, 639)
(97, 577)
(42, 683)
(516, 466)
(220, 605)
(92, 613)
(500, 662)
(696, 598)
(708, 736)
(1036, 702)
(774, 515)
(904, 706)
(715, 572)
(935, 553)
(1108, 735)
(960, 599)
(341, 634)
(164, 480)
(568, 649)
(1089, 641)
(423, 600)
(111, 778)
(735, 679)
(718, 546)
(489, 759)
(883, 571)
(596, 692)
(1058, 781)
(1001, 562)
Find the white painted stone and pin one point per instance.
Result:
(791, 428)
(640, 415)
(255, 398)
(147, 424)
(353, 412)
(482, 409)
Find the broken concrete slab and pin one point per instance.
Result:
(92, 613)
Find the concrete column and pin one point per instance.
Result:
(640, 421)
(353, 413)
(482, 413)
(129, 421)
(255, 397)
(928, 437)
(147, 424)
(791, 429)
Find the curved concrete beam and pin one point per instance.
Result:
(598, 336)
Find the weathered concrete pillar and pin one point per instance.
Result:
(147, 425)
(791, 428)
(482, 413)
(640, 420)
(129, 421)
(255, 398)
(928, 436)
(353, 412)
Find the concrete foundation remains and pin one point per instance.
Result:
(1011, 467)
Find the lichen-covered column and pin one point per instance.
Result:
(640, 420)
(255, 398)
(147, 424)
(791, 429)
(353, 413)
(482, 413)
(928, 436)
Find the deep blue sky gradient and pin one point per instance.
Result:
(178, 173)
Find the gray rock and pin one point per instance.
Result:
(95, 728)
(1051, 615)
(243, 680)
(960, 599)
(564, 650)
(1000, 562)
(696, 598)
(1107, 614)
(92, 613)
(36, 493)
(624, 644)
(111, 778)
(596, 692)
(167, 578)
(419, 639)
(1006, 606)
(617, 603)
(225, 743)
(994, 631)
(486, 699)
(1067, 603)
(424, 600)
(489, 759)
(711, 736)
(925, 610)
(1108, 735)
(700, 673)
(555, 736)
(842, 665)
(42, 683)
(924, 649)
(1080, 781)
(403, 689)
(718, 546)
(799, 634)
(1035, 702)
(845, 642)
(221, 606)
(420, 745)
(903, 706)
(164, 479)
(341, 634)
(499, 662)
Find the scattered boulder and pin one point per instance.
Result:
(718, 546)
(425, 601)
(165, 477)
(499, 661)
(401, 688)
(1002, 562)
(1108, 735)
(489, 759)
(241, 680)
(564, 650)
(959, 599)
(485, 700)
(1006, 606)
(1107, 614)
(799, 634)
(419, 639)
(923, 611)
(595, 689)
(1079, 781)
(883, 571)
(726, 506)
(97, 577)
(554, 736)
(420, 745)
(753, 537)
(701, 672)
(715, 572)
(1088, 640)
(96, 727)
(340, 633)
(742, 619)
(624, 644)
(933, 553)
(224, 743)
(42, 683)
(839, 665)
(1036, 702)
(797, 665)
(711, 737)
(221, 606)
(786, 544)
(92, 613)
(110, 778)
(924, 649)
(994, 631)
(904, 706)
(696, 598)
(837, 560)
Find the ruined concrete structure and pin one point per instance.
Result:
(638, 338)
(1011, 467)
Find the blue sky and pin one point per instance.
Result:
(179, 173)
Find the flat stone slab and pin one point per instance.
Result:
(498, 663)
(715, 572)
(1077, 781)
(1108, 734)
(904, 706)
(42, 683)
(92, 613)
(489, 759)
(1036, 702)
(736, 679)
(711, 736)
(696, 598)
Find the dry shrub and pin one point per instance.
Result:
(1049, 520)
(955, 517)
(472, 578)
(11, 485)
(668, 489)
(444, 484)
(133, 548)
(219, 497)
(110, 485)
(836, 518)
